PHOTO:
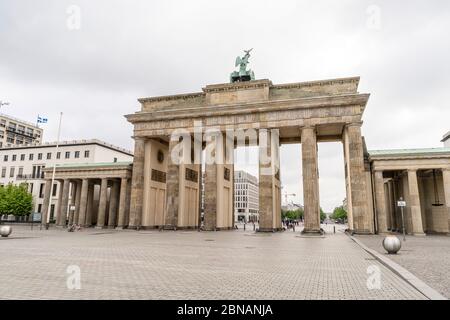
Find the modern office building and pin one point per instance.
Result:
(25, 164)
(246, 197)
(18, 132)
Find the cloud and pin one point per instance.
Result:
(130, 49)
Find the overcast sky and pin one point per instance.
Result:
(122, 50)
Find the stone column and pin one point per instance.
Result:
(113, 201)
(47, 195)
(75, 190)
(90, 204)
(83, 202)
(416, 214)
(137, 183)
(380, 202)
(63, 201)
(269, 181)
(173, 188)
(127, 203)
(122, 203)
(102, 203)
(310, 181)
(394, 205)
(391, 208)
(58, 203)
(446, 179)
(362, 220)
(77, 203)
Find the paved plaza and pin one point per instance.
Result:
(428, 258)
(191, 265)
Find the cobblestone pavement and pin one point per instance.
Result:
(190, 265)
(428, 258)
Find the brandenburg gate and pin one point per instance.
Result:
(171, 133)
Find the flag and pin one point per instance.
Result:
(41, 120)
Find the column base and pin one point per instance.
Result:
(361, 232)
(269, 229)
(419, 234)
(119, 228)
(312, 232)
(100, 227)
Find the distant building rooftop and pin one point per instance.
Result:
(94, 165)
(19, 121)
(409, 152)
(70, 143)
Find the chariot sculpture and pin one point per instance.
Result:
(243, 74)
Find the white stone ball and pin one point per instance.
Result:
(5, 231)
(392, 244)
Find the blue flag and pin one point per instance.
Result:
(41, 120)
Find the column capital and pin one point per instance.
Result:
(308, 126)
(411, 170)
(354, 124)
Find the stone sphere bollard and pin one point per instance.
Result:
(5, 231)
(392, 244)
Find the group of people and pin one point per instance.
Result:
(290, 224)
(74, 227)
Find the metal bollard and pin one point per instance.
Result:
(244, 226)
(254, 226)
(334, 229)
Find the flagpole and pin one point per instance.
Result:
(53, 173)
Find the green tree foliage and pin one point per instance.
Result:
(323, 215)
(15, 200)
(298, 214)
(339, 213)
(292, 214)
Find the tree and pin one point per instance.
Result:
(292, 214)
(15, 200)
(323, 215)
(339, 213)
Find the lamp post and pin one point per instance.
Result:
(402, 204)
(53, 174)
